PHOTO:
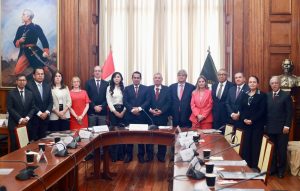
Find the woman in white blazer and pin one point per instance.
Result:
(60, 115)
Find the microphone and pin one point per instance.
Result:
(245, 180)
(61, 153)
(25, 173)
(152, 126)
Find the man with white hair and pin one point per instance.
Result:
(26, 39)
(279, 120)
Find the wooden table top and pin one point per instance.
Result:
(180, 168)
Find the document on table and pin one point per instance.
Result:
(229, 162)
(239, 175)
(138, 127)
(5, 171)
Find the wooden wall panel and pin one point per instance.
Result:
(281, 6)
(280, 34)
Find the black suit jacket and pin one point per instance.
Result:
(184, 105)
(253, 109)
(16, 109)
(163, 104)
(96, 99)
(130, 100)
(279, 112)
(219, 110)
(41, 104)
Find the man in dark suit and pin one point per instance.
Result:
(233, 100)
(219, 95)
(96, 90)
(135, 99)
(158, 110)
(43, 101)
(181, 94)
(21, 108)
(279, 119)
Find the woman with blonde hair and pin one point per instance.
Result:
(80, 105)
(201, 105)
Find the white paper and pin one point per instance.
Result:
(187, 154)
(215, 158)
(2, 122)
(67, 140)
(194, 163)
(138, 127)
(165, 127)
(190, 144)
(100, 128)
(184, 140)
(5, 171)
(188, 134)
(60, 145)
(85, 134)
(229, 162)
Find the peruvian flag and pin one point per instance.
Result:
(108, 67)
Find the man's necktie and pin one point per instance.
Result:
(156, 93)
(181, 91)
(219, 94)
(274, 95)
(136, 89)
(40, 87)
(238, 91)
(22, 97)
(98, 86)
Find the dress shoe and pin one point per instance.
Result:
(113, 160)
(141, 159)
(161, 159)
(127, 159)
(273, 173)
(280, 175)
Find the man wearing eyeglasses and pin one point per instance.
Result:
(219, 95)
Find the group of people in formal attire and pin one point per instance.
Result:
(46, 107)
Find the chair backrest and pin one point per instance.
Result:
(238, 140)
(262, 151)
(267, 159)
(22, 136)
(228, 129)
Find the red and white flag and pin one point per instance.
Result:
(108, 67)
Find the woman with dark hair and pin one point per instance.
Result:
(252, 115)
(114, 97)
(201, 105)
(60, 115)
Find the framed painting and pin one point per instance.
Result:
(28, 38)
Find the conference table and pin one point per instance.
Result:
(65, 169)
(217, 144)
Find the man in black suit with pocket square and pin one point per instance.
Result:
(136, 101)
(21, 108)
(234, 99)
(219, 95)
(158, 110)
(44, 103)
(279, 119)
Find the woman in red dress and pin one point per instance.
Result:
(80, 106)
(201, 105)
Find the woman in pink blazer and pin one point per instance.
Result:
(201, 104)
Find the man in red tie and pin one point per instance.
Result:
(279, 120)
(158, 110)
(181, 94)
(135, 99)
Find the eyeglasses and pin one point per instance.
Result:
(221, 74)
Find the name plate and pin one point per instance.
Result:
(138, 127)
(85, 134)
